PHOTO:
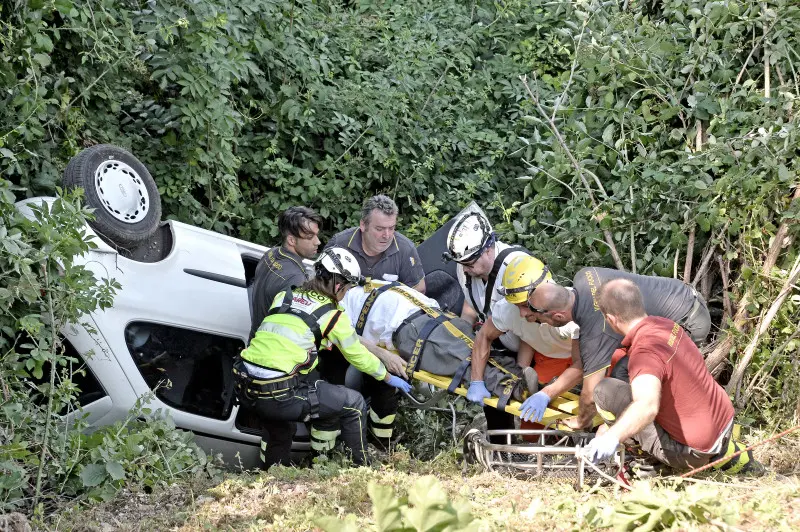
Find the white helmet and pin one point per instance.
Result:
(467, 238)
(340, 261)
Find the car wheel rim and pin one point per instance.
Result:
(121, 191)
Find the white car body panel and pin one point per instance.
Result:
(164, 293)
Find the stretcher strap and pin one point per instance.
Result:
(503, 399)
(419, 345)
(395, 287)
(458, 376)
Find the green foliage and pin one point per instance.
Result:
(426, 508)
(146, 450)
(241, 109)
(650, 507)
(429, 433)
(44, 452)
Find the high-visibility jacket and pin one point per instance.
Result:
(284, 342)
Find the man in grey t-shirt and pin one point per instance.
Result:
(381, 252)
(591, 353)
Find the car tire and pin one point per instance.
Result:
(123, 194)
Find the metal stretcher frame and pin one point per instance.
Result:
(561, 407)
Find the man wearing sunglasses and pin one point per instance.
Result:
(545, 352)
(556, 305)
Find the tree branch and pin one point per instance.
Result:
(735, 383)
(606, 233)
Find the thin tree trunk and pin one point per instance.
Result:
(718, 357)
(687, 267)
(735, 383)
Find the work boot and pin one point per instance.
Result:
(531, 380)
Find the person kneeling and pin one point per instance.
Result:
(673, 408)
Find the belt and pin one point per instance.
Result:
(266, 387)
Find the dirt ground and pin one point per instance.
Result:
(296, 499)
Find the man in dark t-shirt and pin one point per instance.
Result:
(557, 306)
(281, 268)
(673, 408)
(382, 253)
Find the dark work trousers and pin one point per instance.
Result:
(383, 400)
(341, 411)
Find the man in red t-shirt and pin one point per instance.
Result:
(673, 408)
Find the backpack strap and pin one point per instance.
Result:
(487, 297)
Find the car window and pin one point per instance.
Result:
(75, 370)
(84, 378)
(189, 370)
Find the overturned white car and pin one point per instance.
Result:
(182, 313)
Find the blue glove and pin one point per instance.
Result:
(477, 392)
(534, 406)
(602, 448)
(398, 383)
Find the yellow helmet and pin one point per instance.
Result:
(522, 275)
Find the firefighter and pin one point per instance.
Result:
(272, 375)
(481, 262)
(673, 408)
(544, 351)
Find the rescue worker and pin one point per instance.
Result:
(544, 351)
(382, 253)
(591, 353)
(481, 261)
(282, 267)
(273, 373)
(428, 338)
(673, 408)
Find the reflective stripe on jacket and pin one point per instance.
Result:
(285, 343)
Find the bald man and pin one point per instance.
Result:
(673, 408)
(556, 305)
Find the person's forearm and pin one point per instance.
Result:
(635, 418)
(480, 356)
(524, 355)
(569, 378)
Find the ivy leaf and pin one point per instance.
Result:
(42, 59)
(783, 173)
(93, 474)
(608, 134)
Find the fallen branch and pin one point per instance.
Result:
(609, 239)
(735, 383)
(726, 296)
(717, 358)
(708, 254)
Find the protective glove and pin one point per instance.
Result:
(534, 406)
(602, 448)
(477, 392)
(398, 383)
